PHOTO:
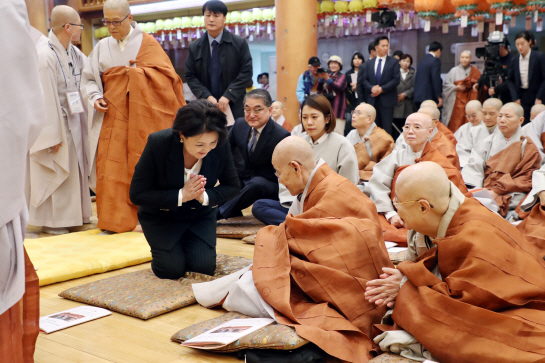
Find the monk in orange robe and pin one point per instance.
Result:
(478, 293)
(415, 149)
(533, 226)
(440, 126)
(439, 140)
(133, 91)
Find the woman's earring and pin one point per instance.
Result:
(181, 140)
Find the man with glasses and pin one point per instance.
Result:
(133, 91)
(255, 136)
(219, 64)
(416, 148)
(58, 183)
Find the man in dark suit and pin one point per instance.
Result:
(377, 84)
(219, 64)
(526, 77)
(255, 138)
(428, 84)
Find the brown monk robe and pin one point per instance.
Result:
(446, 132)
(439, 140)
(478, 294)
(18, 341)
(312, 269)
(533, 226)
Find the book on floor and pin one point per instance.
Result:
(227, 333)
(71, 317)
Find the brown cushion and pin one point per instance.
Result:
(272, 336)
(143, 295)
(238, 227)
(391, 358)
(249, 240)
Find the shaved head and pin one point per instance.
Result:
(279, 104)
(536, 110)
(293, 159)
(432, 112)
(120, 5)
(61, 15)
(428, 103)
(367, 110)
(493, 102)
(473, 105)
(418, 128)
(516, 108)
(423, 119)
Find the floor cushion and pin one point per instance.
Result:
(238, 227)
(391, 358)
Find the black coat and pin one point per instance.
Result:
(536, 77)
(158, 178)
(352, 100)
(428, 84)
(389, 80)
(236, 69)
(259, 164)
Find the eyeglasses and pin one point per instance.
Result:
(256, 112)
(471, 116)
(415, 128)
(80, 25)
(397, 204)
(356, 113)
(116, 23)
(277, 174)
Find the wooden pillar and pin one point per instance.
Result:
(296, 42)
(38, 14)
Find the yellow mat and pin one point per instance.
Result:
(74, 255)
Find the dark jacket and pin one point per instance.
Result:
(405, 107)
(536, 77)
(259, 164)
(236, 69)
(389, 80)
(428, 84)
(159, 176)
(352, 100)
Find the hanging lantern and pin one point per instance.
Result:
(447, 10)
(483, 11)
(464, 8)
(428, 8)
(355, 6)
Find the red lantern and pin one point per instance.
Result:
(428, 8)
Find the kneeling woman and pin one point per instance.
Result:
(174, 186)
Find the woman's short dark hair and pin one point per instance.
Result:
(360, 56)
(215, 7)
(398, 53)
(198, 117)
(405, 56)
(322, 104)
(524, 34)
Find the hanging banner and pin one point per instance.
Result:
(445, 28)
(499, 17)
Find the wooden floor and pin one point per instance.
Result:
(121, 338)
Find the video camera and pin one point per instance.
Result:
(493, 68)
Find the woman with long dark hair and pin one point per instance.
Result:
(351, 94)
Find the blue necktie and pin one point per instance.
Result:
(251, 144)
(378, 75)
(216, 87)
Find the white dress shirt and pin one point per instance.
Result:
(187, 174)
(259, 130)
(123, 42)
(524, 65)
(381, 65)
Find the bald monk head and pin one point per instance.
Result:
(277, 110)
(417, 130)
(422, 195)
(363, 117)
(491, 109)
(293, 160)
(536, 110)
(118, 11)
(429, 103)
(510, 118)
(432, 112)
(65, 23)
(474, 113)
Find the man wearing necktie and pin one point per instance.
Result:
(254, 137)
(219, 64)
(377, 84)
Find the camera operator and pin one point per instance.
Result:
(497, 56)
(312, 81)
(526, 78)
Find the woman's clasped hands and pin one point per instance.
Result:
(194, 188)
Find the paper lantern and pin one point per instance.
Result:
(341, 6)
(370, 4)
(104, 32)
(160, 24)
(246, 16)
(150, 27)
(257, 15)
(196, 21)
(447, 11)
(268, 14)
(177, 23)
(355, 6)
(465, 5)
(428, 8)
(186, 22)
(169, 24)
(97, 33)
(228, 18)
(236, 17)
(327, 6)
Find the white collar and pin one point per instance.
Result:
(368, 132)
(320, 140)
(126, 39)
(527, 55)
(456, 200)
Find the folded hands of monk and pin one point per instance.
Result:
(383, 291)
(396, 221)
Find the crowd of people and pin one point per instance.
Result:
(386, 151)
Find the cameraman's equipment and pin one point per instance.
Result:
(320, 70)
(493, 69)
(385, 18)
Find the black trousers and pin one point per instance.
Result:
(252, 190)
(385, 116)
(527, 100)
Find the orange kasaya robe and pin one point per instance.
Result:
(19, 325)
(489, 306)
(446, 131)
(313, 268)
(533, 228)
(382, 145)
(446, 147)
(430, 153)
(141, 100)
(458, 118)
(511, 171)
(287, 125)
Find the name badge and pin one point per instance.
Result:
(74, 102)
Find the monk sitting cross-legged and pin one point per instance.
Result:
(471, 133)
(477, 295)
(416, 148)
(503, 163)
(310, 272)
(533, 226)
(535, 130)
(440, 126)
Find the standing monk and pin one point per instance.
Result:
(135, 91)
(59, 160)
(458, 91)
(21, 117)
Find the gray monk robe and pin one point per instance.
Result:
(535, 130)
(468, 136)
(59, 182)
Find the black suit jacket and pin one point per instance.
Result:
(236, 69)
(428, 84)
(536, 76)
(389, 80)
(158, 178)
(259, 163)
